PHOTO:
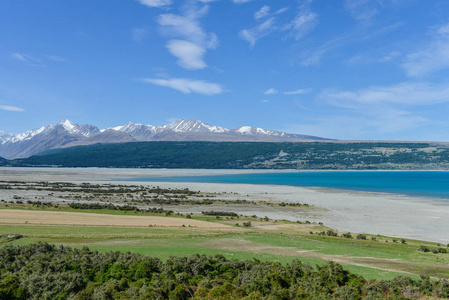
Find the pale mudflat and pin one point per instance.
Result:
(10, 216)
(353, 211)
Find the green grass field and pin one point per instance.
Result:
(266, 241)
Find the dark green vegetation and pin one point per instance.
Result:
(43, 271)
(212, 261)
(271, 240)
(3, 161)
(239, 155)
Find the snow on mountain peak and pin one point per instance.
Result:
(248, 130)
(183, 125)
(67, 124)
(4, 136)
(26, 135)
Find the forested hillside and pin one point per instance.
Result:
(240, 155)
(43, 271)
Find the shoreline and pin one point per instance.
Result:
(343, 210)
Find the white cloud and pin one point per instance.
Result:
(379, 125)
(270, 92)
(56, 58)
(190, 55)
(361, 9)
(262, 12)
(304, 22)
(241, 1)
(252, 35)
(401, 111)
(37, 62)
(138, 34)
(390, 56)
(281, 10)
(296, 92)
(264, 101)
(434, 57)
(24, 57)
(28, 59)
(313, 57)
(155, 3)
(11, 108)
(188, 27)
(19, 56)
(196, 41)
(408, 93)
(187, 86)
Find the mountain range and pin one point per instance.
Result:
(67, 134)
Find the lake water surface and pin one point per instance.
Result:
(412, 183)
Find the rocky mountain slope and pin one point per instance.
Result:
(68, 134)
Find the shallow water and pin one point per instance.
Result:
(412, 183)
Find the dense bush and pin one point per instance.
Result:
(238, 155)
(220, 213)
(43, 271)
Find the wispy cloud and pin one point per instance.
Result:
(28, 59)
(281, 10)
(21, 56)
(37, 62)
(187, 86)
(362, 9)
(138, 34)
(241, 1)
(271, 92)
(155, 3)
(190, 55)
(434, 57)
(56, 58)
(255, 33)
(313, 55)
(25, 57)
(390, 56)
(188, 27)
(297, 92)
(383, 111)
(380, 124)
(262, 12)
(408, 93)
(304, 22)
(11, 108)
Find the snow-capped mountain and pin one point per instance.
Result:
(48, 137)
(247, 130)
(182, 125)
(67, 134)
(4, 136)
(138, 131)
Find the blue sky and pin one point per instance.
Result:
(349, 69)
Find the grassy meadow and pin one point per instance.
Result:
(265, 240)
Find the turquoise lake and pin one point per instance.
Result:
(412, 183)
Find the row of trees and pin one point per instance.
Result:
(43, 271)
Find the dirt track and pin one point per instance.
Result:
(10, 216)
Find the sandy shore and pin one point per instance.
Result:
(9, 216)
(358, 212)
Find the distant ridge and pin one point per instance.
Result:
(67, 134)
(247, 155)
